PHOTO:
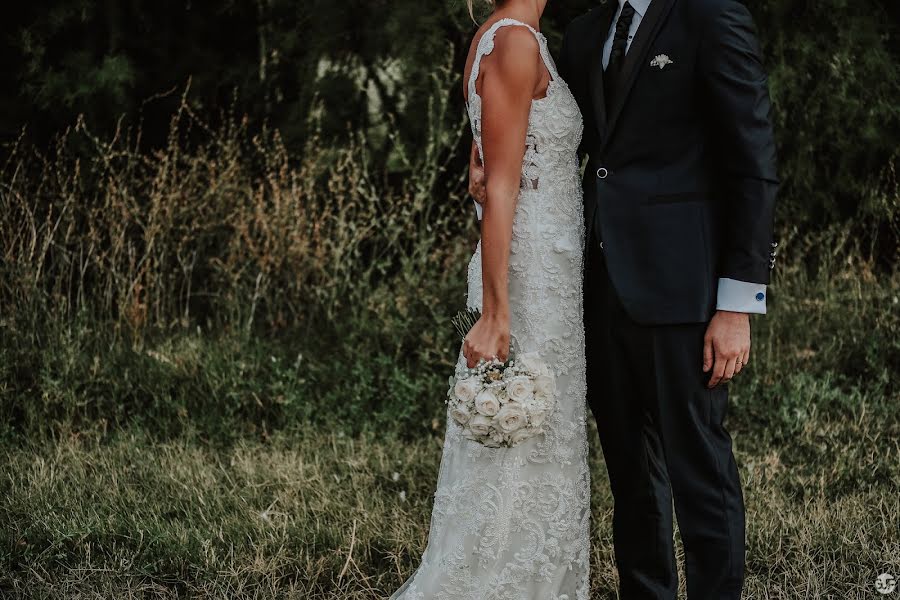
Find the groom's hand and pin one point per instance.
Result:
(477, 187)
(726, 347)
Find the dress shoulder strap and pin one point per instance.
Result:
(486, 46)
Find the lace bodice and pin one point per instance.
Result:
(513, 523)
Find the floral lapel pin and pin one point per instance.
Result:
(661, 61)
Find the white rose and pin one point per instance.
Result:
(517, 437)
(460, 413)
(538, 417)
(519, 389)
(511, 418)
(487, 403)
(465, 389)
(480, 425)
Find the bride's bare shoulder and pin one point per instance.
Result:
(514, 57)
(515, 47)
(512, 36)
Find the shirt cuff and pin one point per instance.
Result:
(741, 296)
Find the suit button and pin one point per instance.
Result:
(602, 172)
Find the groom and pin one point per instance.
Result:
(679, 190)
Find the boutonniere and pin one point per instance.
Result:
(661, 61)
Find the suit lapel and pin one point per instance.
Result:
(606, 13)
(637, 55)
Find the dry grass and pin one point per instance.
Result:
(170, 420)
(327, 516)
(221, 226)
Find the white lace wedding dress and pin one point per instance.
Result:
(513, 523)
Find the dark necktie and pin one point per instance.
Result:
(617, 56)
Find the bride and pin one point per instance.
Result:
(513, 523)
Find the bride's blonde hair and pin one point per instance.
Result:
(471, 4)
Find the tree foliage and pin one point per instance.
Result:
(369, 66)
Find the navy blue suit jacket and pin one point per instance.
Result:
(681, 177)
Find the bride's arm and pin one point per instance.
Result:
(511, 73)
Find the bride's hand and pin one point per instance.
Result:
(489, 338)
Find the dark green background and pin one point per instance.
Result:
(232, 235)
(835, 79)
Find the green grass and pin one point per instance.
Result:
(207, 465)
(322, 515)
(239, 395)
(219, 465)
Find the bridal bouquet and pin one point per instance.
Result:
(501, 404)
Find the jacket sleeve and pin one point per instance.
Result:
(735, 89)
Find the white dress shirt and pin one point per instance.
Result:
(733, 295)
(640, 9)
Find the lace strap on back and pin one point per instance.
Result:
(486, 46)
